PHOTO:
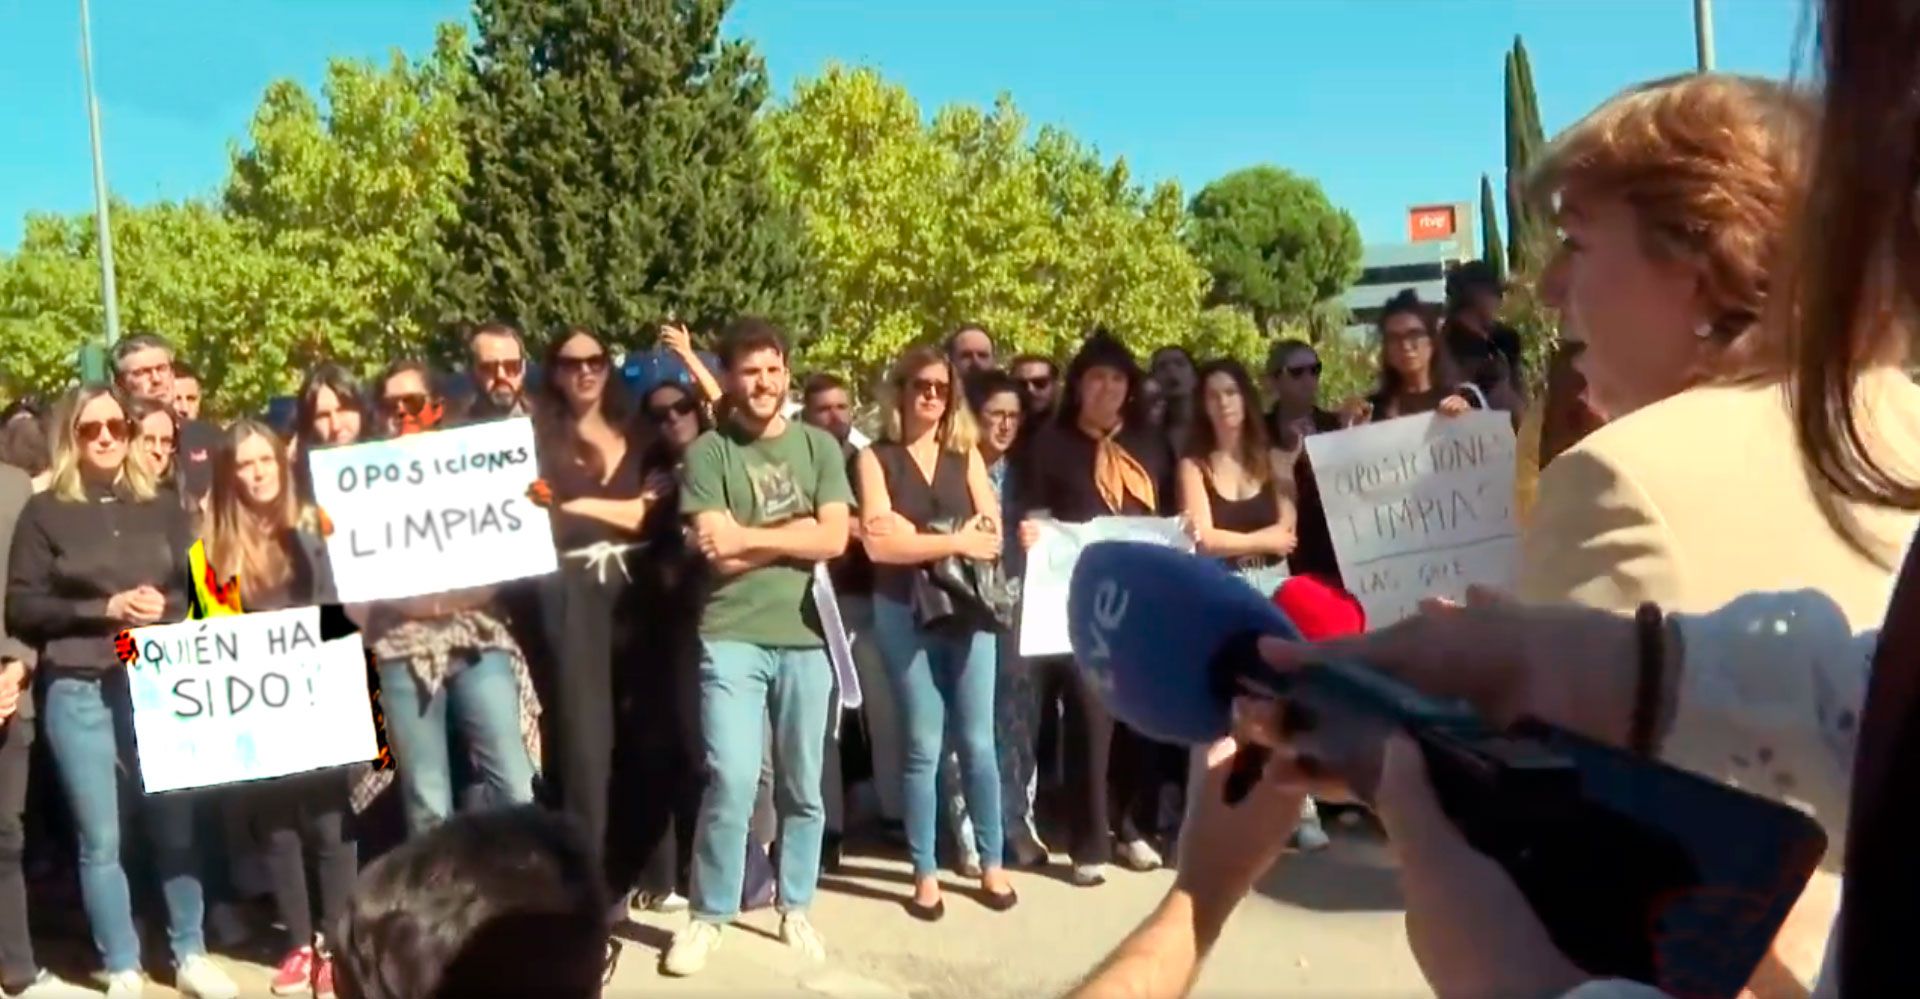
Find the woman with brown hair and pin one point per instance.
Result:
(924, 470)
(1776, 683)
(252, 536)
(1417, 373)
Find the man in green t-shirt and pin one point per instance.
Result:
(765, 501)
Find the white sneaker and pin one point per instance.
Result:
(1139, 855)
(691, 948)
(797, 932)
(200, 978)
(126, 985)
(46, 986)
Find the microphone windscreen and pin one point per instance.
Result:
(1145, 622)
(1319, 609)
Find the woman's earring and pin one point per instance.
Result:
(1704, 330)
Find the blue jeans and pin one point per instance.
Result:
(936, 676)
(92, 742)
(482, 701)
(740, 685)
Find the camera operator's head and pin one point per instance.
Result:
(491, 903)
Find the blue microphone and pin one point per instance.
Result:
(1148, 623)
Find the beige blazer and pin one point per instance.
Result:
(1695, 500)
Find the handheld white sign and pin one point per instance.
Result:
(432, 512)
(1420, 506)
(247, 697)
(1043, 596)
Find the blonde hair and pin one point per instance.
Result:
(241, 542)
(131, 479)
(957, 431)
(1714, 167)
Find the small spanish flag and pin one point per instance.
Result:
(211, 598)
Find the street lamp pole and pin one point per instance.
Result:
(1703, 35)
(103, 227)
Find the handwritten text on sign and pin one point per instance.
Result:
(247, 697)
(1419, 506)
(1043, 598)
(427, 513)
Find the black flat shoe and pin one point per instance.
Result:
(927, 913)
(1000, 901)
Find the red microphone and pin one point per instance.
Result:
(1318, 609)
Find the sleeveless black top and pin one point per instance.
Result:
(571, 479)
(1255, 513)
(921, 503)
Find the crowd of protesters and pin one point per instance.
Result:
(668, 689)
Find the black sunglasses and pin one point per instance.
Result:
(408, 405)
(1300, 370)
(595, 363)
(677, 408)
(1037, 384)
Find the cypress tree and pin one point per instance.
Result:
(615, 176)
(1491, 249)
(1525, 141)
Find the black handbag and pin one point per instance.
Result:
(957, 589)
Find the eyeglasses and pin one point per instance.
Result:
(1406, 336)
(999, 416)
(592, 363)
(930, 387)
(671, 411)
(151, 371)
(412, 404)
(88, 430)
(502, 369)
(1299, 370)
(1040, 384)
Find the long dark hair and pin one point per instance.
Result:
(1253, 449)
(557, 426)
(1442, 373)
(345, 389)
(660, 453)
(1103, 350)
(1853, 291)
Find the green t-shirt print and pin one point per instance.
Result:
(764, 482)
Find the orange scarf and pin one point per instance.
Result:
(1116, 474)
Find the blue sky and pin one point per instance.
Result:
(1388, 103)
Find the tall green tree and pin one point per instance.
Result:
(1491, 249)
(359, 191)
(613, 171)
(1273, 243)
(184, 270)
(918, 226)
(1526, 222)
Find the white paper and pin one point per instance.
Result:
(1420, 506)
(839, 649)
(1043, 597)
(432, 512)
(247, 697)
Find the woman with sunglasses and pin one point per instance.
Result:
(670, 581)
(590, 458)
(253, 534)
(1415, 376)
(98, 552)
(924, 469)
(447, 663)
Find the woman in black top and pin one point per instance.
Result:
(252, 535)
(1234, 489)
(1415, 375)
(331, 411)
(665, 758)
(926, 470)
(1101, 457)
(590, 459)
(94, 554)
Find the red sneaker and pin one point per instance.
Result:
(323, 978)
(295, 974)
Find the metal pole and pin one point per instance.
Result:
(1703, 35)
(103, 227)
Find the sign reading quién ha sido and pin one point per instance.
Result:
(246, 697)
(1420, 506)
(432, 512)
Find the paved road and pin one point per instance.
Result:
(1325, 924)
